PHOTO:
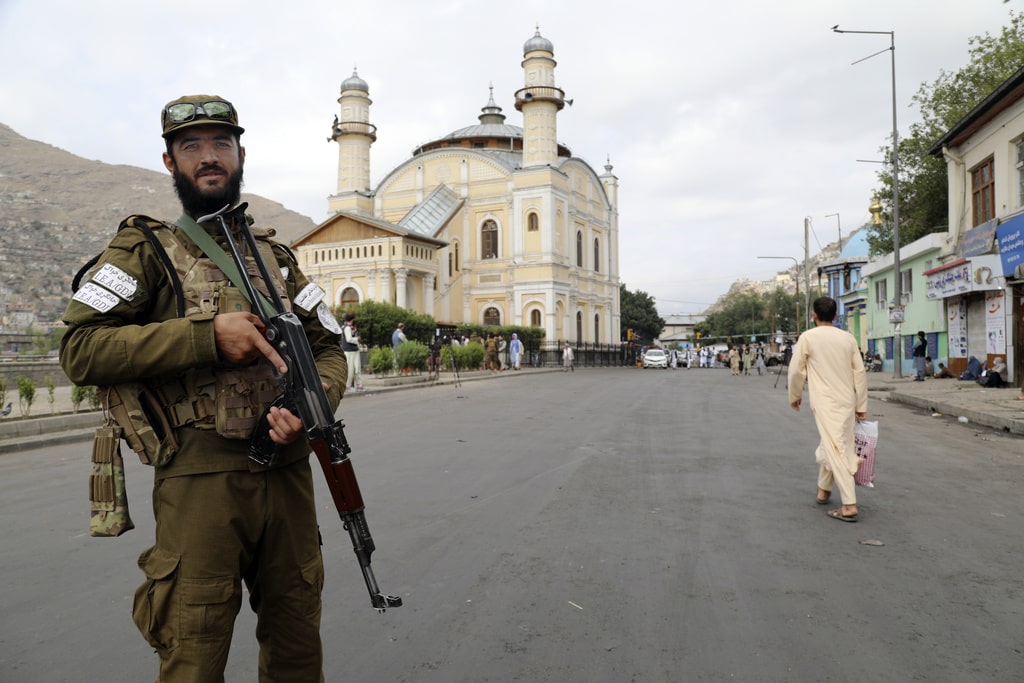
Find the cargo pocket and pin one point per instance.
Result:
(209, 607)
(154, 611)
(313, 578)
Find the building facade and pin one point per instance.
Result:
(981, 279)
(921, 313)
(844, 282)
(492, 224)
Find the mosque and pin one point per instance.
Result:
(491, 224)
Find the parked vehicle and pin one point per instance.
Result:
(655, 358)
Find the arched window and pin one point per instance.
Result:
(535, 318)
(489, 240)
(597, 255)
(532, 222)
(492, 317)
(349, 297)
(457, 267)
(597, 329)
(579, 249)
(579, 327)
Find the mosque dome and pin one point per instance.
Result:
(354, 82)
(857, 245)
(538, 42)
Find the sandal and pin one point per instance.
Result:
(837, 513)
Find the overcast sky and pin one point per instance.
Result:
(726, 122)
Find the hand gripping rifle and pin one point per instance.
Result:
(304, 394)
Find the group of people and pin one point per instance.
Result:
(743, 358)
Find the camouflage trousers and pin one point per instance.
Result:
(214, 531)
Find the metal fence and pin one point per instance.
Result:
(549, 354)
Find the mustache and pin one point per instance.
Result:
(212, 167)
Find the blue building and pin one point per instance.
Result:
(841, 279)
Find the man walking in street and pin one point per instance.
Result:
(828, 360)
(192, 347)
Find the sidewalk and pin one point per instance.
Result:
(49, 424)
(995, 408)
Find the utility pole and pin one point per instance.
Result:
(807, 270)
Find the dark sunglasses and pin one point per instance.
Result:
(215, 110)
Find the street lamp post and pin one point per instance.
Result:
(896, 312)
(796, 264)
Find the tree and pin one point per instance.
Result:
(924, 185)
(745, 314)
(639, 313)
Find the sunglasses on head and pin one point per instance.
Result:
(215, 110)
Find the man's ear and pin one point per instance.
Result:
(169, 162)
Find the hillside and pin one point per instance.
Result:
(57, 210)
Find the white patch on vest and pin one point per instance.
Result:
(309, 297)
(117, 281)
(327, 318)
(96, 297)
(284, 272)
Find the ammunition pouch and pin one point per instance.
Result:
(140, 415)
(108, 499)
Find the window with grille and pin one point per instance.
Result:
(489, 240)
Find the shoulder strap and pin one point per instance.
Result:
(142, 223)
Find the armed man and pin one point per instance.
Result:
(186, 368)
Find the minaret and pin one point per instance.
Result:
(354, 134)
(540, 102)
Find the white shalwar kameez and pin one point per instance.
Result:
(828, 359)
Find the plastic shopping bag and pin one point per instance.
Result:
(865, 438)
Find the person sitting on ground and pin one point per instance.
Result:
(929, 369)
(943, 372)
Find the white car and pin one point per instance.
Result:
(655, 358)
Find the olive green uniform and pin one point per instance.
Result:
(220, 518)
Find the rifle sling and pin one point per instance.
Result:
(220, 257)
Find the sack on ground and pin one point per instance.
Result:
(990, 378)
(865, 439)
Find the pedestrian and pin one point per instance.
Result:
(515, 349)
(567, 358)
(192, 347)
(502, 350)
(734, 361)
(748, 359)
(828, 360)
(491, 353)
(350, 345)
(759, 359)
(920, 351)
(397, 339)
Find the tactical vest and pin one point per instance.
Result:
(228, 399)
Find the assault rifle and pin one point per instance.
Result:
(304, 395)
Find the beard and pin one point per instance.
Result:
(197, 202)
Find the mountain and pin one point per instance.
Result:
(57, 210)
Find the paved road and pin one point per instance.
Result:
(605, 525)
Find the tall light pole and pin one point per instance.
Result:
(896, 312)
(796, 264)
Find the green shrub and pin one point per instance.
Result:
(412, 355)
(26, 394)
(382, 360)
(51, 388)
(79, 394)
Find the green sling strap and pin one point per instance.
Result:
(210, 247)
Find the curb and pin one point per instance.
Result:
(1010, 425)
